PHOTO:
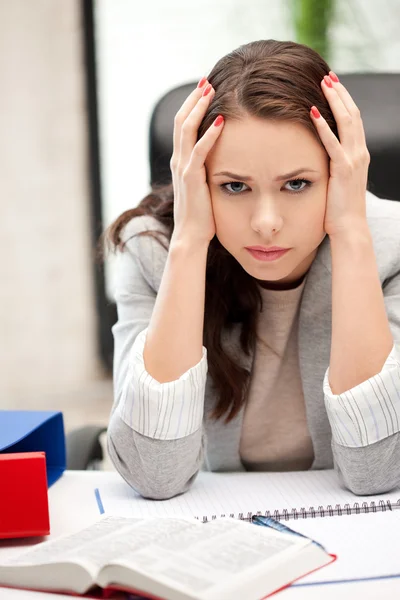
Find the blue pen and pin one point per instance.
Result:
(278, 526)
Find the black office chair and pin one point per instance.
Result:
(376, 94)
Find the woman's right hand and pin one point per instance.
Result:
(193, 214)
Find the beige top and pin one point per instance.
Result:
(275, 434)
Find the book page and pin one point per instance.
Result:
(92, 547)
(199, 557)
(234, 493)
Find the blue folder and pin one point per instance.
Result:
(34, 431)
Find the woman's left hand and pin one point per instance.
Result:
(349, 160)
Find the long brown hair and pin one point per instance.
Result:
(269, 79)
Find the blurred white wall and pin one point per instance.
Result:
(47, 315)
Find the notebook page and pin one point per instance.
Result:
(367, 545)
(234, 493)
(382, 589)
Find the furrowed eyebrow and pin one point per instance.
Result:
(279, 178)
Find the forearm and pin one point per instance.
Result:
(174, 339)
(157, 469)
(361, 336)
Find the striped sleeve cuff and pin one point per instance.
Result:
(369, 412)
(164, 411)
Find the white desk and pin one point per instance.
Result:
(73, 506)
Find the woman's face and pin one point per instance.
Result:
(263, 207)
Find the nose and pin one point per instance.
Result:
(266, 219)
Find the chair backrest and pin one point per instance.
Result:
(376, 94)
(162, 129)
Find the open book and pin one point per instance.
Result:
(172, 559)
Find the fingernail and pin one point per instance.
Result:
(315, 112)
(328, 81)
(333, 76)
(207, 89)
(218, 120)
(202, 82)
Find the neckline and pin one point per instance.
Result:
(282, 297)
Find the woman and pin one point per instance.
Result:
(258, 295)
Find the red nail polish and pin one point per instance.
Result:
(207, 89)
(218, 120)
(315, 112)
(328, 81)
(333, 76)
(202, 82)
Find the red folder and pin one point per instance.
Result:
(24, 509)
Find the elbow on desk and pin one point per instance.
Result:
(153, 468)
(370, 470)
(370, 488)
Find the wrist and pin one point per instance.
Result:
(352, 249)
(354, 233)
(188, 245)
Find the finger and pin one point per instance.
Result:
(328, 138)
(351, 107)
(342, 116)
(190, 128)
(205, 143)
(183, 112)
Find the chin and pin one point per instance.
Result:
(265, 272)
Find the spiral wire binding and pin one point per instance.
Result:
(312, 512)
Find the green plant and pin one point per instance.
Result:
(311, 19)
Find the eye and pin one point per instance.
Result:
(235, 185)
(298, 183)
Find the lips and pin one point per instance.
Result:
(266, 248)
(267, 256)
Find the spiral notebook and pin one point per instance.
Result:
(363, 531)
(295, 495)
